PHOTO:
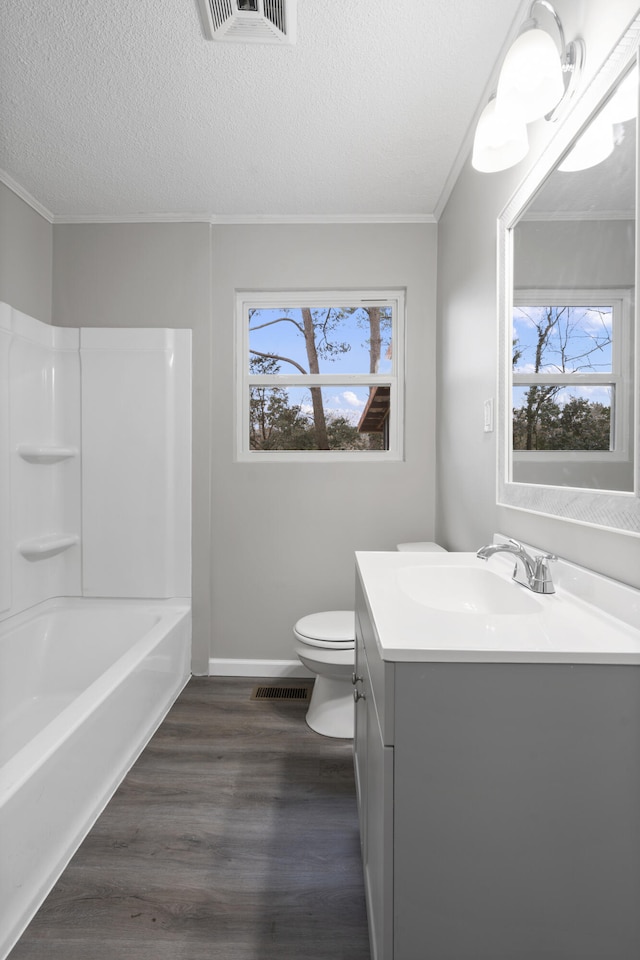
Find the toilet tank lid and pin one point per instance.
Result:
(422, 546)
(336, 625)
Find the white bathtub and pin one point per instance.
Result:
(83, 686)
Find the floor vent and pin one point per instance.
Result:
(299, 692)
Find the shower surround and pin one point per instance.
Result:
(95, 579)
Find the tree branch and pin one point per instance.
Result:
(275, 356)
(279, 320)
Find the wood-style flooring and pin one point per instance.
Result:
(234, 837)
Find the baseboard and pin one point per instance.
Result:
(220, 667)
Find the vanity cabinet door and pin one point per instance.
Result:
(374, 784)
(360, 738)
(378, 858)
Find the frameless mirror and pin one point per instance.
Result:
(568, 381)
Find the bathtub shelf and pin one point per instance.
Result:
(41, 453)
(41, 548)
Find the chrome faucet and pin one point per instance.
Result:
(537, 576)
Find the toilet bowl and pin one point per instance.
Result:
(326, 647)
(326, 643)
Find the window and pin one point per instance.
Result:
(319, 375)
(571, 379)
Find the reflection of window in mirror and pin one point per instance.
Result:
(571, 391)
(574, 286)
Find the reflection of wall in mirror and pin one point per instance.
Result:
(574, 254)
(585, 475)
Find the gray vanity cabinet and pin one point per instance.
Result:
(373, 760)
(499, 807)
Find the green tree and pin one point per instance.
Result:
(271, 418)
(577, 425)
(584, 425)
(275, 424)
(344, 436)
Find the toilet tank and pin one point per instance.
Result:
(421, 546)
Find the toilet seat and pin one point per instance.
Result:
(332, 629)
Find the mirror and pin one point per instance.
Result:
(573, 291)
(568, 412)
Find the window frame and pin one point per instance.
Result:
(251, 299)
(620, 377)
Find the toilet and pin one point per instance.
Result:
(325, 645)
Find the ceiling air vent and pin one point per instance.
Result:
(249, 21)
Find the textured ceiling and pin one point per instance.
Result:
(124, 109)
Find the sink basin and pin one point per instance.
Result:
(465, 589)
(455, 608)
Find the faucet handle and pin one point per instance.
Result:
(542, 581)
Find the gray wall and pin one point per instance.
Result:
(151, 275)
(26, 244)
(603, 254)
(284, 534)
(271, 542)
(467, 348)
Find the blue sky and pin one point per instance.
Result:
(591, 327)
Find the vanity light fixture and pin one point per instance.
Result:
(604, 133)
(500, 141)
(594, 146)
(623, 105)
(535, 79)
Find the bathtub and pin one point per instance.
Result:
(83, 686)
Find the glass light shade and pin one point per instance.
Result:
(623, 105)
(500, 142)
(594, 146)
(530, 83)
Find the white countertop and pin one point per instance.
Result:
(590, 619)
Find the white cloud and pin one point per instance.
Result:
(354, 401)
(596, 320)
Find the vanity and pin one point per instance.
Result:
(497, 760)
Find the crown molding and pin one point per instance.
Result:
(133, 218)
(20, 191)
(328, 218)
(248, 219)
(583, 216)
